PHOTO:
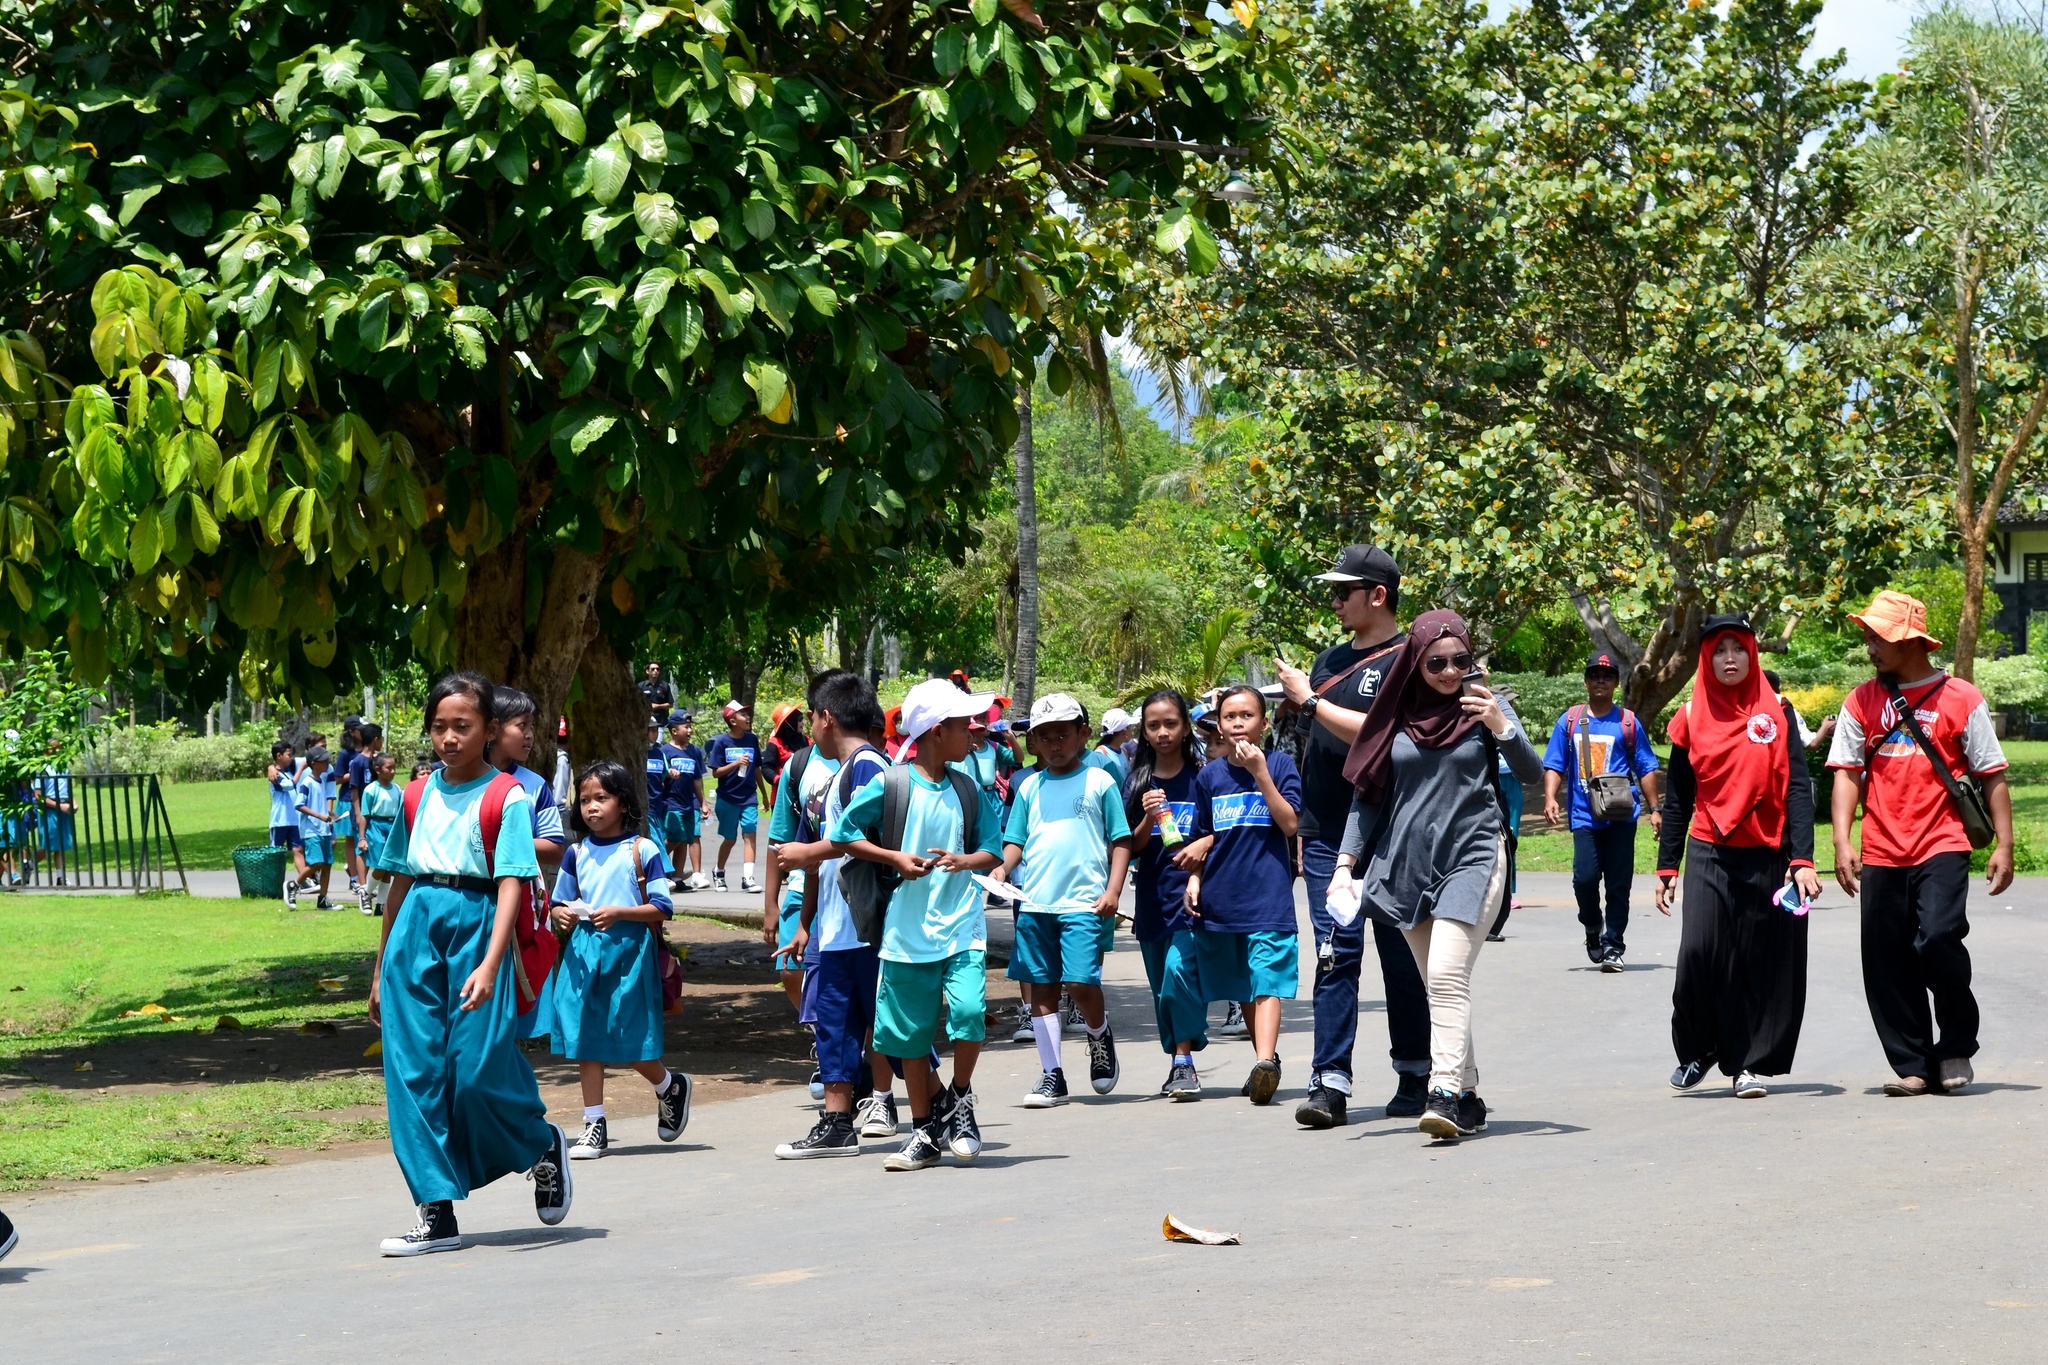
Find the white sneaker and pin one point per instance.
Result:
(750, 886)
(291, 896)
(1750, 1086)
(699, 882)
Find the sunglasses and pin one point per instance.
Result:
(1438, 663)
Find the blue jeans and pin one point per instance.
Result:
(1607, 854)
(1337, 974)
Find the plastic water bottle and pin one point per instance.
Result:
(1169, 828)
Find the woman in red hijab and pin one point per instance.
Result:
(1739, 802)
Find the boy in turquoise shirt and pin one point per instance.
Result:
(934, 934)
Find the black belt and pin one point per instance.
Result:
(483, 886)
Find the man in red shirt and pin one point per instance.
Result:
(1914, 868)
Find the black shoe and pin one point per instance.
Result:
(1471, 1113)
(1411, 1096)
(832, 1135)
(596, 1140)
(1610, 961)
(1102, 1068)
(1440, 1118)
(553, 1187)
(1264, 1080)
(1324, 1108)
(1184, 1084)
(673, 1107)
(920, 1153)
(436, 1232)
(1050, 1090)
(875, 1116)
(1594, 952)
(963, 1133)
(1691, 1074)
(9, 1236)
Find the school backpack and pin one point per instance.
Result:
(869, 886)
(1609, 796)
(535, 948)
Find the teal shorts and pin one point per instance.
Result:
(735, 819)
(1248, 966)
(1055, 948)
(786, 921)
(682, 826)
(915, 997)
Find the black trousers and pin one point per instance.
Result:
(1913, 929)
(1741, 991)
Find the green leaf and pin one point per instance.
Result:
(1174, 230)
(1202, 253)
(984, 11)
(132, 202)
(704, 229)
(146, 540)
(589, 429)
(646, 141)
(609, 166)
(205, 530)
(657, 216)
(566, 118)
(759, 216)
(949, 51)
(770, 383)
(469, 345)
(651, 294)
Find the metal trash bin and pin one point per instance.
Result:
(259, 870)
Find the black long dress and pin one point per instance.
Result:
(1740, 996)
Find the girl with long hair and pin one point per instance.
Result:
(1159, 803)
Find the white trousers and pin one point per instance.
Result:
(1444, 952)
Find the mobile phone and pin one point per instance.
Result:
(1477, 675)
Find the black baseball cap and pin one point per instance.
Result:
(1600, 661)
(1727, 620)
(318, 754)
(1363, 564)
(676, 718)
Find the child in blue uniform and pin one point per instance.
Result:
(1159, 802)
(1249, 803)
(282, 775)
(684, 826)
(383, 805)
(313, 797)
(1067, 848)
(612, 900)
(732, 759)
(463, 1105)
(509, 752)
(657, 782)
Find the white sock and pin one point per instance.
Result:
(1094, 1032)
(662, 1084)
(592, 1112)
(1046, 1028)
(747, 871)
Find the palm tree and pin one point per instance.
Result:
(1129, 618)
(1222, 643)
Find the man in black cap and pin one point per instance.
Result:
(1589, 743)
(1333, 697)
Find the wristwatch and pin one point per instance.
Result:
(1308, 708)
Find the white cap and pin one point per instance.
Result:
(733, 706)
(1115, 719)
(1055, 706)
(936, 700)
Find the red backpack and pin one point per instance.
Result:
(535, 947)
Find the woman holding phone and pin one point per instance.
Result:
(1739, 801)
(1429, 808)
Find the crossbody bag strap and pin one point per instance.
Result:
(1336, 678)
(1579, 730)
(1912, 723)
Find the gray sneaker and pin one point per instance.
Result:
(1184, 1084)
(1022, 1033)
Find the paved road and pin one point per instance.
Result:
(1602, 1217)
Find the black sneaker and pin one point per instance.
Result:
(1184, 1084)
(963, 1133)
(1440, 1118)
(1610, 961)
(672, 1107)
(436, 1232)
(1324, 1108)
(832, 1135)
(1102, 1068)
(9, 1236)
(1166, 1086)
(596, 1138)
(553, 1187)
(718, 882)
(1050, 1090)
(875, 1116)
(1691, 1074)
(1411, 1097)
(1593, 950)
(920, 1153)
(1471, 1112)
(1264, 1080)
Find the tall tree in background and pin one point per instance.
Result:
(1024, 683)
(1943, 274)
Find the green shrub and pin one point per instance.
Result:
(2024, 859)
(2016, 681)
(176, 756)
(1540, 698)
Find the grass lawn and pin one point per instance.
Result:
(70, 968)
(211, 818)
(53, 1135)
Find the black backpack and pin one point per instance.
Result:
(869, 886)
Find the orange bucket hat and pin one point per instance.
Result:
(1897, 618)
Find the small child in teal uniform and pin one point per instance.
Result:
(463, 1104)
(684, 828)
(383, 805)
(612, 900)
(313, 798)
(1067, 848)
(1248, 803)
(1159, 801)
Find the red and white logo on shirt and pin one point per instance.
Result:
(1763, 729)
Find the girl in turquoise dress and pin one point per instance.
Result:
(463, 1105)
(612, 899)
(383, 807)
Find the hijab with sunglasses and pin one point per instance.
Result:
(1409, 705)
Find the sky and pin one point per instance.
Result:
(1871, 32)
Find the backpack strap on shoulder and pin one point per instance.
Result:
(968, 793)
(490, 814)
(415, 792)
(895, 806)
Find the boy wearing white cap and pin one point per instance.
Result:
(934, 932)
(1067, 830)
(1108, 753)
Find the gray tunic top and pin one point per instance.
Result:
(1433, 856)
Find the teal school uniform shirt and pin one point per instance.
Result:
(798, 811)
(939, 914)
(1110, 762)
(832, 923)
(1065, 826)
(987, 763)
(311, 795)
(284, 799)
(383, 805)
(447, 836)
(547, 816)
(600, 872)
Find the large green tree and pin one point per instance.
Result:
(1525, 309)
(516, 329)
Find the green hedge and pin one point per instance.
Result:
(175, 756)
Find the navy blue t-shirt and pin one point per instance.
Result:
(1248, 880)
(658, 803)
(737, 786)
(1162, 910)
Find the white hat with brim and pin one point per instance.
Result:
(1053, 707)
(936, 701)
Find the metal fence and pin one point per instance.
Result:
(116, 835)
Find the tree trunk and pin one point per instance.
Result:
(1025, 687)
(609, 719)
(742, 676)
(1970, 625)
